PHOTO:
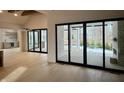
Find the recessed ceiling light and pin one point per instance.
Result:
(15, 14)
(1, 11)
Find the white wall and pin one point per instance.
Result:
(55, 17)
(37, 22)
(23, 41)
(10, 25)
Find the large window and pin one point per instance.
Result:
(37, 40)
(93, 43)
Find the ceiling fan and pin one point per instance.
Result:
(23, 12)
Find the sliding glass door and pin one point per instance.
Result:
(30, 41)
(70, 43)
(62, 43)
(94, 43)
(76, 43)
(44, 40)
(37, 40)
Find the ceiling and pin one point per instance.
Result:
(9, 18)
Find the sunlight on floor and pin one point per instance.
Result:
(14, 75)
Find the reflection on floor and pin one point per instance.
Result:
(13, 76)
(38, 49)
(38, 69)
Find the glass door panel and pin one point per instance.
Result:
(30, 42)
(62, 43)
(94, 43)
(76, 41)
(36, 40)
(44, 40)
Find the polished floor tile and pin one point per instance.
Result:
(37, 69)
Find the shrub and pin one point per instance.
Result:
(99, 45)
(81, 43)
(91, 45)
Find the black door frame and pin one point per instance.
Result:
(39, 39)
(85, 43)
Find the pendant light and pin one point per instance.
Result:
(15, 14)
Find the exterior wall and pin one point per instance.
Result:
(115, 35)
(121, 41)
